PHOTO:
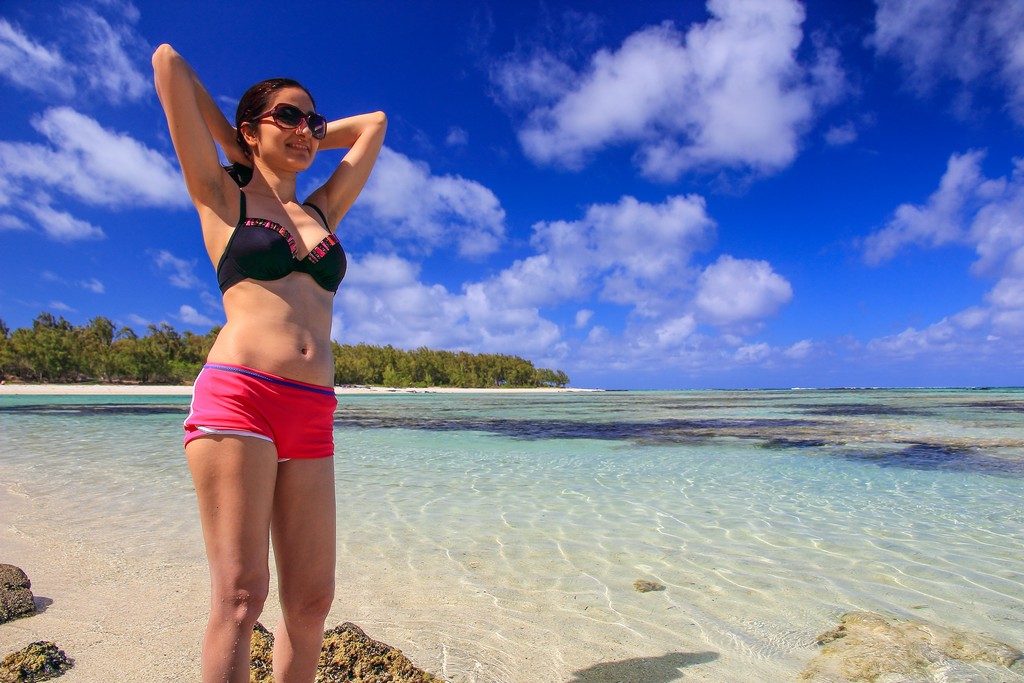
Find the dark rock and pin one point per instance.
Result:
(261, 667)
(351, 656)
(642, 586)
(39, 661)
(348, 656)
(15, 597)
(867, 647)
(13, 577)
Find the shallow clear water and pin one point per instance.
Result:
(765, 514)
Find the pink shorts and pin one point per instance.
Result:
(298, 418)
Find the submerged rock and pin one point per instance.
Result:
(261, 665)
(642, 586)
(348, 656)
(39, 661)
(869, 648)
(15, 597)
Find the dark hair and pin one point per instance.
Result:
(254, 103)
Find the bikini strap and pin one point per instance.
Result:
(319, 213)
(241, 207)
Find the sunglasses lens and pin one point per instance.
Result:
(317, 126)
(288, 116)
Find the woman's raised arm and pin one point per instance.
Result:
(363, 135)
(195, 123)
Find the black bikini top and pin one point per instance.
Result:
(261, 249)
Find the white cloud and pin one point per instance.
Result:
(532, 80)
(457, 137)
(102, 57)
(800, 350)
(971, 210)
(753, 353)
(673, 332)
(61, 306)
(211, 301)
(634, 256)
(181, 272)
(62, 226)
(190, 316)
(31, 66)
(739, 291)
(939, 221)
(974, 43)
(9, 222)
(138, 321)
(404, 203)
(633, 252)
(111, 51)
(96, 165)
(85, 162)
(383, 302)
(730, 92)
(93, 285)
(842, 134)
(967, 208)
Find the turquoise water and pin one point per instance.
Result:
(508, 530)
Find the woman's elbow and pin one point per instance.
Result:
(163, 54)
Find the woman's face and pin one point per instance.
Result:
(290, 149)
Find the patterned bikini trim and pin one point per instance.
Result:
(277, 227)
(320, 250)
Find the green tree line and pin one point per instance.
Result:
(54, 350)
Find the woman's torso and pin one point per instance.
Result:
(281, 326)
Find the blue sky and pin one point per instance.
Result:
(646, 195)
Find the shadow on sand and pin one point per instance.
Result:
(663, 669)
(41, 603)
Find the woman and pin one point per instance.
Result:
(259, 433)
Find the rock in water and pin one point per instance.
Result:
(643, 586)
(39, 661)
(870, 648)
(351, 656)
(15, 597)
(261, 665)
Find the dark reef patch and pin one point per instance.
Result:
(674, 432)
(860, 409)
(96, 409)
(925, 456)
(998, 405)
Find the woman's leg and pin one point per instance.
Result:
(234, 478)
(305, 541)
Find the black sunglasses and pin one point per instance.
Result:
(288, 116)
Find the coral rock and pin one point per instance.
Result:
(348, 656)
(351, 656)
(641, 586)
(15, 597)
(39, 661)
(870, 648)
(261, 666)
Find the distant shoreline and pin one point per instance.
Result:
(19, 389)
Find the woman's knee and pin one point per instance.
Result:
(308, 603)
(241, 597)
